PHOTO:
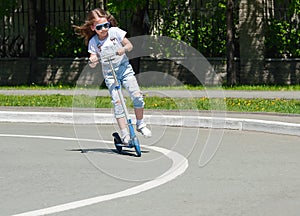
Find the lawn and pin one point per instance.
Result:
(165, 103)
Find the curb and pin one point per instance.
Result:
(243, 124)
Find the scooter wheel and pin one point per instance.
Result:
(137, 146)
(118, 142)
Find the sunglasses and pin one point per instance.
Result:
(104, 25)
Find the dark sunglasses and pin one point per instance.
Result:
(104, 25)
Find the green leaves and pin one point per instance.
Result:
(116, 6)
(202, 27)
(283, 36)
(6, 6)
(282, 39)
(63, 43)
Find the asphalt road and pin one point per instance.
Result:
(49, 165)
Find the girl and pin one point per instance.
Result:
(103, 39)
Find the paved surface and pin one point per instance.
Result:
(251, 173)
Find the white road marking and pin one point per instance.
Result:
(54, 138)
(179, 165)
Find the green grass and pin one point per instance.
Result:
(264, 88)
(36, 87)
(226, 104)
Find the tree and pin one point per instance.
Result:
(231, 73)
(137, 10)
(32, 40)
(5, 7)
(283, 32)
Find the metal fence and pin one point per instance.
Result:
(195, 22)
(184, 16)
(15, 27)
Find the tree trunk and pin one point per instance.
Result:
(40, 27)
(139, 26)
(252, 22)
(231, 73)
(32, 40)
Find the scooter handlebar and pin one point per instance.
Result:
(108, 56)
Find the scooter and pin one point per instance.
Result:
(133, 142)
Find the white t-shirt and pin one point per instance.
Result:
(108, 48)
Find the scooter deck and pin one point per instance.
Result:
(118, 141)
(132, 144)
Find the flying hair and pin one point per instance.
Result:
(85, 31)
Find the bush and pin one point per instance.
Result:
(283, 35)
(62, 42)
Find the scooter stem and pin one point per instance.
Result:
(118, 87)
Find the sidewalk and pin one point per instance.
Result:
(263, 122)
(168, 93)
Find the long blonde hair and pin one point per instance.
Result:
(85, 30)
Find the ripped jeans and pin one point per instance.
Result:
(126, 78)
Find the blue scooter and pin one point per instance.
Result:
(133, 142)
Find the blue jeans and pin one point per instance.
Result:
(126, 78)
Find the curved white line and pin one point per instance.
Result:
(179, 165)
(54, 138)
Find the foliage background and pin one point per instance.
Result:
(202, 26)
(283, 35)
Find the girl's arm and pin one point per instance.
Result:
(127, 47)
(93, 59)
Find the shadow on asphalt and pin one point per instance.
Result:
(125, 152)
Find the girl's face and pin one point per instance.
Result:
(101, 26)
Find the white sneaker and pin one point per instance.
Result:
(125, 139)
(144, 130)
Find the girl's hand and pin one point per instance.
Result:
(93, 61)
(127, 47)
(121, 51)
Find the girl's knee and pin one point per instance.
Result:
(138, 100)
(118, 109)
